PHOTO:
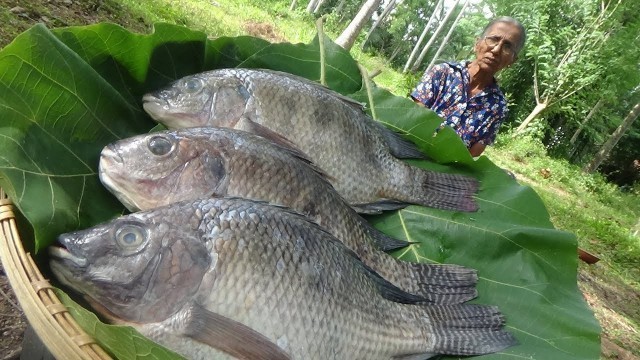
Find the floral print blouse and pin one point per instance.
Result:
(445, 89)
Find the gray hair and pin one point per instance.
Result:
(512, 21)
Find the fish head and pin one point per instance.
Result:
(152, 170)
(139, 268)
(215, 98)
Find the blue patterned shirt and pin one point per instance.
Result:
(445, 90)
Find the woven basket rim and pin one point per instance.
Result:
(50, 319)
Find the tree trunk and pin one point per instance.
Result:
(613, 140)
(318, 5)
(385, 13)
(311, 5)
(338, 9)
(536, 111)
(395, 53)
(423, 53)
(594, 109)
(446, 38)
(349, 35)
(293, 5)
(414, 52)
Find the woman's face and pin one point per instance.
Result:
(497, 48)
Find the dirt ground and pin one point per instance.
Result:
(12, 321)
(616, 306)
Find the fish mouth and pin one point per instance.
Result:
(172, 117)
(64, 256)
(68, 268)
(110, 154)
(154, 106)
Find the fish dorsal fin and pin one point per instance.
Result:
(230, 336)
(398, 146)
(351, 102)
(248, 125)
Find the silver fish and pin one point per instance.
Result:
(258, 281)
(360, 155)
(158, 169)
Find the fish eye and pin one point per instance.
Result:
(130, 237)
(192, 85)
(160, 145)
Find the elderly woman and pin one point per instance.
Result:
(466, 93)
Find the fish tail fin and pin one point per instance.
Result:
(447, 191)
(444, 284)
(467, 329)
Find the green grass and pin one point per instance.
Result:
(226, 18)
(598, 213)
(234, 18)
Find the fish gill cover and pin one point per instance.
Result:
(66, 93)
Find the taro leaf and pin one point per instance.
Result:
(121, 342)
(526, 267)
(66, 94)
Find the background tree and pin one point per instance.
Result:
(580, 36)
(434, 36)
(418, 44)
(348, 37)
(613, 139)
(387, 10)
(445, 41)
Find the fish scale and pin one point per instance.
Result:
(360, 156)
(302, 309)
(313, 286)
(255, 168)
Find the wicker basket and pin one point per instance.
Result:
(47, 315)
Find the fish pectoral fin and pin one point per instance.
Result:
(248, 125)
(280, 141)
(230, 336)
(414, 357)
(399, 146)
(379, 206)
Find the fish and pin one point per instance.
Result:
(258, 281)
(361, 157)
(160, 168)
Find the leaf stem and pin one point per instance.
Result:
(367, 85)
(319, 26)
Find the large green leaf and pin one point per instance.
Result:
(122, 342)
(67, 93)
(526, 267)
